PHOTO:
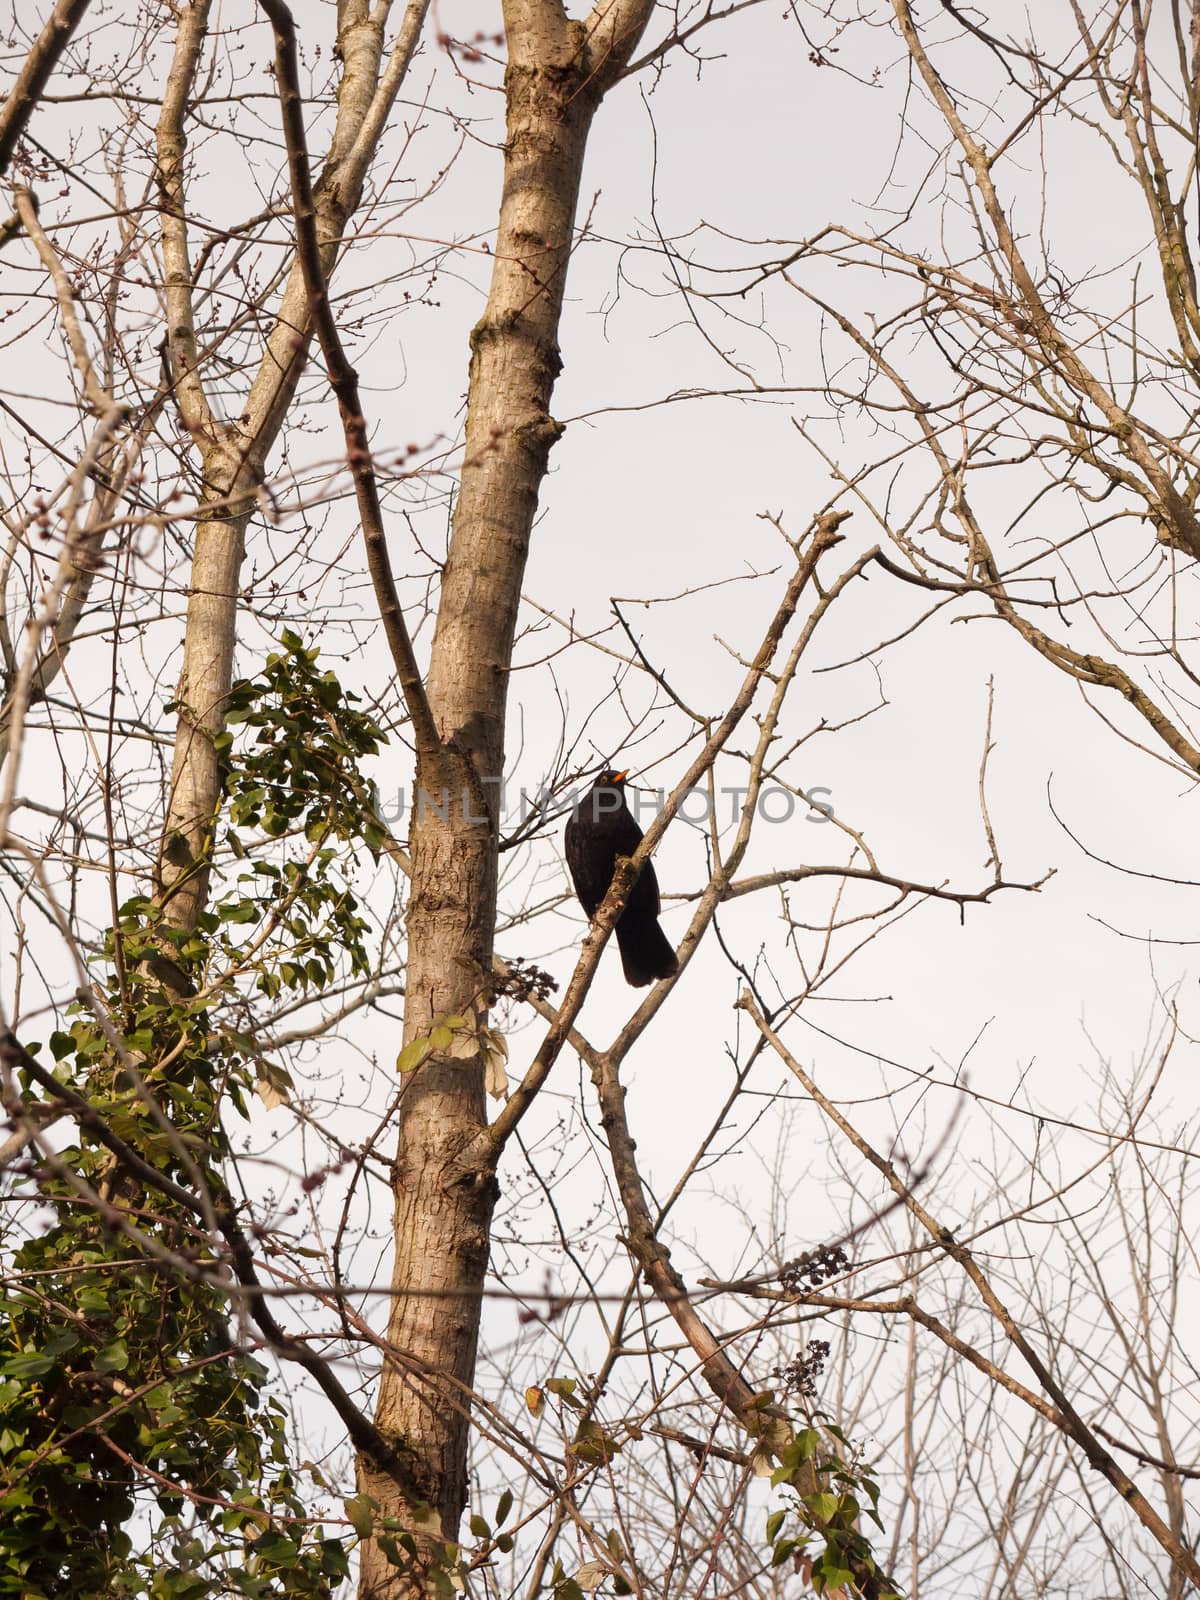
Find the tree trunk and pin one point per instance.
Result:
(234, 455)
(557, 73)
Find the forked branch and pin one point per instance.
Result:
(1071, 1422)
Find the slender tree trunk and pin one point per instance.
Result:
(557, 73)
(234, 455)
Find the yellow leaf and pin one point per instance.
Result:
(413, 1054)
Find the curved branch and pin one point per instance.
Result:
(41, 61)
(344, 380)
(485, 1150)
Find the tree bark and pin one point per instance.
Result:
(558, 71)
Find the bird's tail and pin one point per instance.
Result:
(646, 953)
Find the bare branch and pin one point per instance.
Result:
(25, 94)
(1072, 1423)
(344, 381)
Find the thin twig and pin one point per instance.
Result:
(1072, 1423)
(343, 380)
(41, 61)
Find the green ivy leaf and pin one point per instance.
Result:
(113, 1358)
(32, 1365)
(823, 1506)
(360, 1513)
(60, 1341)
(413, 1054)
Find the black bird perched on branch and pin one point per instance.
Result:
(601, 828)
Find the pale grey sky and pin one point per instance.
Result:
(647, 499)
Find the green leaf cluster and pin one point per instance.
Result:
(823, 1524)
(124, 1405)
(141, 1453)
(300, 768)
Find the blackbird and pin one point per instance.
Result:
(601, 828)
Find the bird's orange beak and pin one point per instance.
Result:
(619, 777)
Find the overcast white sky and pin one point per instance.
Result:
(645, 500)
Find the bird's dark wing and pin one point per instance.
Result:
(622, 829)
(590, 862)
(596, 835)
(599, 831)
(644, 896)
